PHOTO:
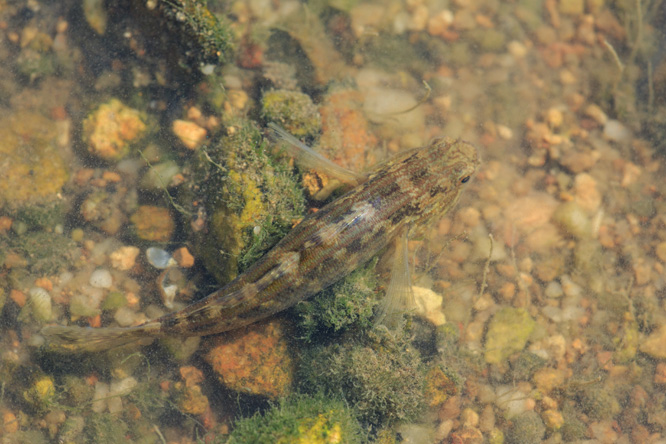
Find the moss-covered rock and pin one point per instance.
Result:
(292, 110)
(33, 170)
(251, 201)
(300, 420)
(346, 304)
(381, 377)
(47, 253)
(527, 428)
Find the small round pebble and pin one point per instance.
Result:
(101, 278)
(124, 258)
(159, 258)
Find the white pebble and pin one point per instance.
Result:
(553, 290)
(118, 389)
(101, 278)
(552, 313)
(616, 131)
(159, 258)
(122, 387)
(100, 397)
(571, 289)
(511, 400)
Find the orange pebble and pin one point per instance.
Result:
(111, 176)
(5, 223)
(58, 113)
(183, 257)
(132, 299)
(13, 260)
(208, 419)
(9, 422)
(95, 321)
(44, 283)
(191, 375)
(92, 379)
(84, 175)
(18, 297)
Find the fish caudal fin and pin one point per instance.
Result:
(86, 339)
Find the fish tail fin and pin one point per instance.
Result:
(86, 339)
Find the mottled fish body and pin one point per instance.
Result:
(401, 194)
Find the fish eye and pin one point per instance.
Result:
(464, 179)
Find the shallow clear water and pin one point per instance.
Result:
(134, 128)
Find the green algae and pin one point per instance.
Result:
(293, 111)
(105, 428)
(347, 304)
(205, 38)
(527, 428)
(381, 377)
(300, 419)
(48, 253)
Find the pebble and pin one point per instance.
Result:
(125, 316)
(572, 7)
(429, 305)
(10, 423)
(101, 278)
(183, 257)
(660, 373)
(660, 250)
(469, 418)
(159, 258)
(100, 396)
(517, 49)
(573, 220)
(512, 400)
(190, 134)
(571, 289)
(617, 132)
(508, 332)
(655, 344)
(118, 389)
(381, 103)
(366, 17)
(124, 258)
(586, 192)
(440, 22)
(596, 113)
(504, 132)
(553, 290)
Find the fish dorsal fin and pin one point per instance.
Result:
(308, 158)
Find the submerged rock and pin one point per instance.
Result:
(254, 360)
(508, 332)
(111, 129)
(33, 170)
(250, 201)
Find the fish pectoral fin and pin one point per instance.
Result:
(399, 299)
(308, 158)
